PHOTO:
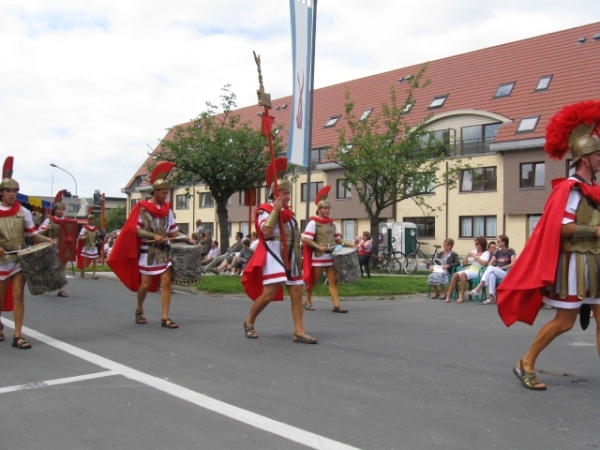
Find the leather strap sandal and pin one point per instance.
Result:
(308, 306)
(338, 309)
(305, 338)
(139, 317)
(529, 379)
(250, 331)
(20, 343)
(168, 323)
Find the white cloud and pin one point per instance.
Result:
(88, 85)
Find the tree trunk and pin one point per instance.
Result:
(374, 222)
(223, 215)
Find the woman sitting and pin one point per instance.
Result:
(502, 260)
(440, 273)
(477, 259)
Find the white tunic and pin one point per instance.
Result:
(89, 253)
(326, 259)
(170, 227)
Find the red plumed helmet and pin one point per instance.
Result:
(159, 175)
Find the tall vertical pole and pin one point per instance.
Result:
(310, 108)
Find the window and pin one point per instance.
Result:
(314, 188)
(543, 83)
(504, 90)
(206, 200)
(332, 121)
(533, 175)
(244, 228)
(71, 208)
(182, 202)
(407, 108)
(341, 191)
(438, 101)
(528, 124)
(477, 139)
(425, 225)
(439, 139)
(184, 228)
(365, 115)
(422, 183)
(475, 226)
(348, 229)
(477, 180)
(318, 154)
(267, 192)
(209, 226)
(132, 203)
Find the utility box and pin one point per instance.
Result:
(404, 235)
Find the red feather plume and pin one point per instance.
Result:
(59, 196)
(565, 121)
(161, 171)
(322, 194)
(276, 169)
(7, 169)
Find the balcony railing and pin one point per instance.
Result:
(475, 146)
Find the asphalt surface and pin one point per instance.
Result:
(408, 373)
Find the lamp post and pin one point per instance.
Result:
(76, 196)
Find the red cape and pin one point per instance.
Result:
(519, 296)
(252, 280)
(124, 256)
(80, 245)
(307, 254)
(7, 301)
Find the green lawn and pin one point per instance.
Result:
(375, 286)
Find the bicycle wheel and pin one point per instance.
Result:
(411, 264)
(395, 263)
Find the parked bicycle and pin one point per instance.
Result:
(391, 261)
(411, 264)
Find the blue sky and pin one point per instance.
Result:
(89, 85)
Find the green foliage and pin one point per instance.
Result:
(387, 160)
(115, 218)
(220, 151)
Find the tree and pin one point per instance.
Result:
(219, 151)
(115, 218)
(387, 160)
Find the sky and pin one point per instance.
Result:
(92, 86)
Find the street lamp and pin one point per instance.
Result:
(76, 196)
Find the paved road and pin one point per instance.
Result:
(410, 373)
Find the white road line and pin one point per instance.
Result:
(39, 384)
(289, 432)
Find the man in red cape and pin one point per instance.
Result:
(559, 265)
(140, 256)
(270, 268)
(16, 223)
(320, 238)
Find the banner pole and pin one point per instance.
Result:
(310, 109)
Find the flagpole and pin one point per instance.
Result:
(310, 108)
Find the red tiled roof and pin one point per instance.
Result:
(470, 80)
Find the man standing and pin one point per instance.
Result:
(199, 228)
(320, 239)
(276, 261)
(88, 251)
(559, 264)
(51, 228)
(148, 230)
(16, 224)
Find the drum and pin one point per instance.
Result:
(186, 263)
(345, 264)
(41, 268)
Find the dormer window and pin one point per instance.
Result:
(543, 83)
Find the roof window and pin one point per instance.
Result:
(582, 40)
(407, 108)
(366, 114)
(332, 121)
(544, 83)
(528, 124)
(504, 90)
(438, 101)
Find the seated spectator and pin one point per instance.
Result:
(365, 247)
(446, 260)
(253, 240)
(475, 260)
(213, 253)
(205, 241)
(492, 247)
(239, 262)
(221, 263)
(502, 260)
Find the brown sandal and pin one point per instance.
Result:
(139, 317)
(250, 331)
(305, 338)
(20, 343)
(168, 323)
(529, 380)
(337, 309)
